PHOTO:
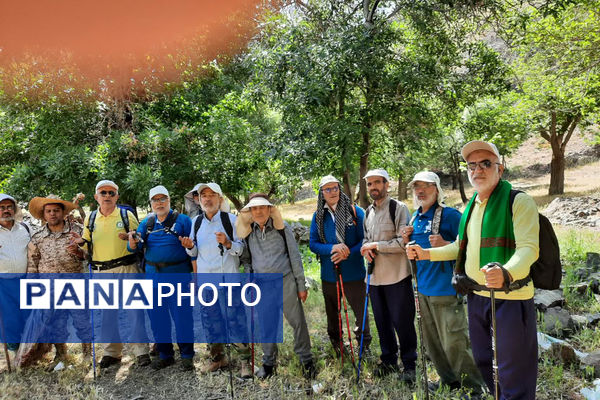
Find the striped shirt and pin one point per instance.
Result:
(13, 249)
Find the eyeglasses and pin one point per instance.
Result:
(110, 193)
(7, 208)
(160, 200)
(485, 164)
(333, 189)
(419, 186)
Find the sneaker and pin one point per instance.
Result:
(246, 370)
(107, 361)
(187, 364)
(408, 376)
(308, 370)
(143, 360)
(383, 369)
(161, 363)
(215, 365)
(265, 372)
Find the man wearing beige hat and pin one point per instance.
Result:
(271, 248)
(498, 241)
(105, 235)
(391, 289)
(444, 322)
(52, 250)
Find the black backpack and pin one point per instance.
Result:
(392, 208)
(168, 223)
(224, 220)
(91, 226)
(546, 272)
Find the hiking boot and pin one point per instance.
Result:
(308, 370)
(187, 364)
(161, 363)
(265, 372)
(154, 350)
(143, 360)
(383, 369)
(215, 365)
(408, 376)
(107, 361)
(246, 370)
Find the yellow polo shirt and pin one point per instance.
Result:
(107, 245)
(526, 228)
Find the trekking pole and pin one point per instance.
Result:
(370, 268)
(92, 322)
(252, 322)
(339, 272)
(228, 345)
(413, 265)
(339, 310)
(6, 354)
(494, 343)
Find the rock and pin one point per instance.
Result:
(301, 233)
(592, 361)
(563, 352)
(580, 321)
(311, 283)
(557, 322)
(593, 319)
(592, 261)
(582, 273)
(545, 299)
(580, 287)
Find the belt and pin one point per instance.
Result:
(167, 264)
(117, 262)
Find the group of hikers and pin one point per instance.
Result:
(495, 241)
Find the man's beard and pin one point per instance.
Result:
(7, 218)
(377, 196)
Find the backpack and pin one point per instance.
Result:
(546, 272)
(437, 220)
(225, 221)
(393, 204)
(287, 249)
(129, 208)
(168, 223)
(91, 225)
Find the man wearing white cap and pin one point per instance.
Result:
(14, 239)
(271, 248)
(161, 233)
(105, 235)
(216, 248)
(336, 235)
(391, 290)
(498, 241)
(445, 333)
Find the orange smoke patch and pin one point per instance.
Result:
(119, 44)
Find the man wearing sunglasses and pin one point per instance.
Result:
(336, 235)
(498, 241)
(106, 236)
(14, 239)
(158, 237)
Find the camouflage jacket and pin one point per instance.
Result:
(48, 251)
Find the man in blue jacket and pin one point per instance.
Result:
(336, 235)
(445, 332)
(163, 253)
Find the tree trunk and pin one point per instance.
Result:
(363, 200)
(457, 176)
(558, 141)
(454, 182)
(557, 173)
(461, 186)
(236, 202)
(402, 188)
(348, 188)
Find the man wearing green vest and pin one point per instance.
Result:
(497, 245)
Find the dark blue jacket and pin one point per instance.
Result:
(353, 268)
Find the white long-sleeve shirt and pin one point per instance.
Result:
(13, 249)
(206, 250)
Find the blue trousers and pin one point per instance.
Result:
(517, 351)
(394, 312)
(160, 320)
(12, 318)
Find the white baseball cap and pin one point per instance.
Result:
(4, 196)
(106, 182)
(160, 189)
(431, 177)
(327, 179)
(479, 145)
(211, 185)
(377, 172)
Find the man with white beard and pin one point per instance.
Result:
(445, 333)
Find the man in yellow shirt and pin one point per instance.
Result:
(498, 243)
(108, 243)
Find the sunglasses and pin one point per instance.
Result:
(160, 200)
(485, 164)
(334, 189)
(110, 193)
